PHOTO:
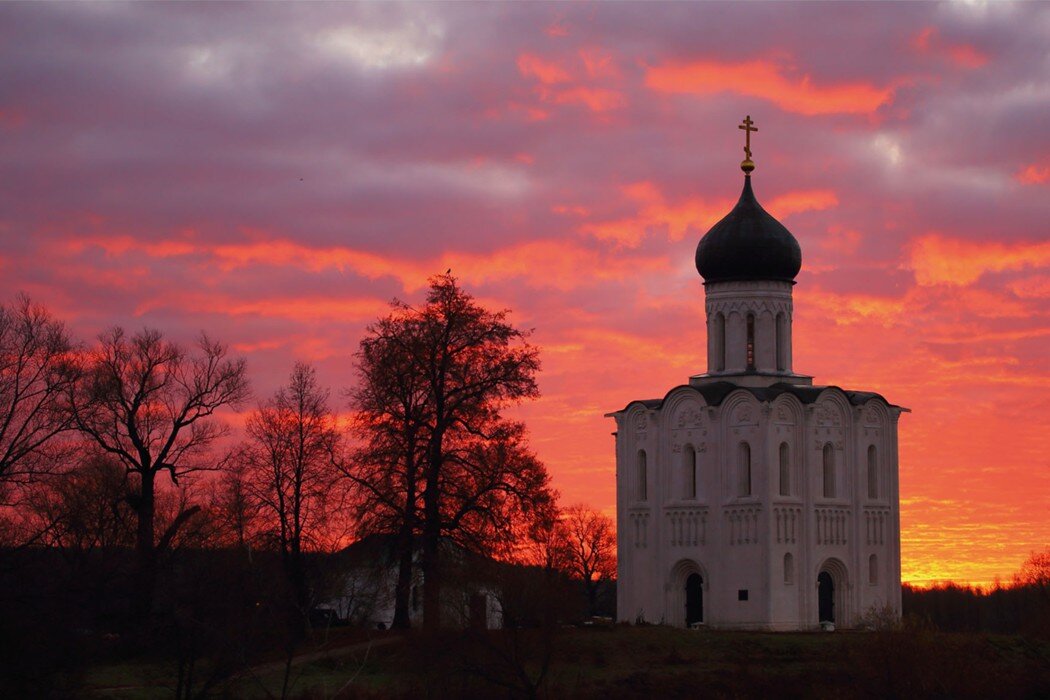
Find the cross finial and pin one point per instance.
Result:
(748, 165)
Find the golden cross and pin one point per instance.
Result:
(746, 126)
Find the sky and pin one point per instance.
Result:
(274, 174)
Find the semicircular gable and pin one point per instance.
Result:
(741, 408)
(787, 409)
(684, 408)
(832, 407)
(636, 418)
(875, 413)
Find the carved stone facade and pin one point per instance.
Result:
(749, 498)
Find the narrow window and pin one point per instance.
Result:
(720, 342)
(785, 470)
(741, 594)
(643, 477)
(873, 472)
(789, 568)
(873, 569)
(781, 330)
(750, 341)
(829, 471)
(745, 469)
(689, 470)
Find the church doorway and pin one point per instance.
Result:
(825, 597)
(833, 604)
(694, 600)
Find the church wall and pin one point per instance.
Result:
(637, 536)
(738, 541)
(787, 523)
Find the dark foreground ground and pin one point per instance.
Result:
(626, 662)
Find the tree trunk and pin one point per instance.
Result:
(432, 539)
(403, 592)
(144, 546)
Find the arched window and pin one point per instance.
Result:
(873, 472)
(689, 470)
(873, 569)
(829, 470)
(643, 477)
(720, 342)
(745, 470)
(750, 341)
(781, 331)
(785, 469)
(789, 568)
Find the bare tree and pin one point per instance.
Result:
(462, 471)
(292, 449)
(86, 508)
(151, 404)
(391, 415)
(37, 369)
(589, 549)
(233, 506)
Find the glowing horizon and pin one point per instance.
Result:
(274, 174)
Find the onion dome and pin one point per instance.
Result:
(748, 244)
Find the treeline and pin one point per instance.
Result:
(1021, 607)
(134, 518)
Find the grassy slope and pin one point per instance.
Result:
(623, 662)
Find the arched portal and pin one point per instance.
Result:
(832, 593)
(694, 600)
(685, 594)
(825, 597)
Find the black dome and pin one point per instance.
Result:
(748, 244)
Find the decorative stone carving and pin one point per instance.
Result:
(688, 416)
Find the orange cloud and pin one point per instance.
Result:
(543, 263)
(841, 241)
(693, 215)
(766, 79)
(547, 72)
(936, 259)
(599, 63)
(654, 212)
(553, 80)
(964, 55)
(848, 309)
(803, 200)
(1033, 174)
(595, 99)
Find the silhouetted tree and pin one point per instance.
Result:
(150, 404)
(1035, 572)
(291, 453)
(233, 507)
(37, 369)
(85, 508)
(463, 472)
(391, 415)
(590, 549)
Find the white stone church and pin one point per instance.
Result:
(750, 498)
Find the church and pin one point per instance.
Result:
(750, 498)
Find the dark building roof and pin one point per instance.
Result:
(715, 393)
(748, 244)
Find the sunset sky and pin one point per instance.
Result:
(275, 173)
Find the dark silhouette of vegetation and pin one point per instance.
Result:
(440, 461)
(1023, 607)
(589, 540)
(37, 369)
(149, 404)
